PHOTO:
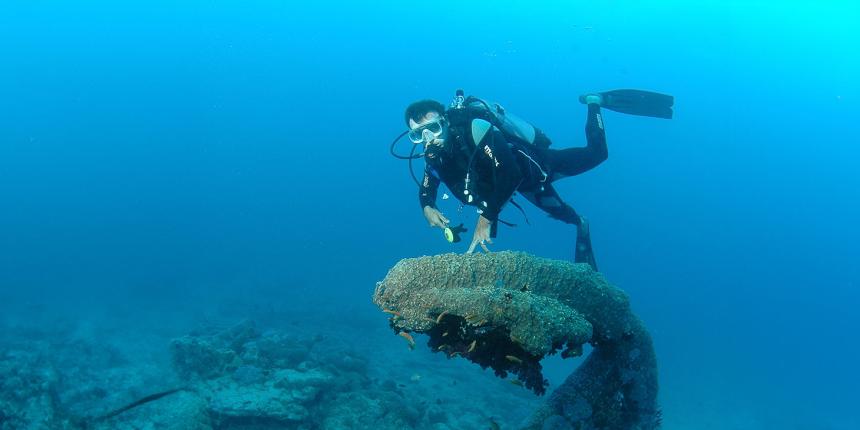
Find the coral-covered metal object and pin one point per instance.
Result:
(508, 310)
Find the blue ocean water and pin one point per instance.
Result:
(162, 161)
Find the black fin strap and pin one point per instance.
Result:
(522, 211)
(510, 224)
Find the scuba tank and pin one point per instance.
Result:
(463, 110)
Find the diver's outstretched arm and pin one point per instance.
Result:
(428, 188)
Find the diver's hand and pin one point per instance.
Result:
(435, 218)
(482, 235)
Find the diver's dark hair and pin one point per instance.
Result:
(417, 110)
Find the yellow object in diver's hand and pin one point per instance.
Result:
(452, 234)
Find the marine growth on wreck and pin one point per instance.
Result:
(509, 310)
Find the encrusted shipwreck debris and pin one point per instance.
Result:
(508, 310)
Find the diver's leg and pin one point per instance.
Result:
(584, 252)
(573, 161)
(546, 198)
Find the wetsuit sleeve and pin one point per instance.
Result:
(428, 188)
(573, 161)
(506, 176)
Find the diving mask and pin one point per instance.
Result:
(427, 132)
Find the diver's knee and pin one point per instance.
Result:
(567, 215)
(602, 154)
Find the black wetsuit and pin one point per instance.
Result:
(500, 168)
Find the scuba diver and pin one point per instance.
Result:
(485, 155)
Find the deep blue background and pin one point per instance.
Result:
(154, 152)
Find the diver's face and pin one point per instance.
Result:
(431, 138)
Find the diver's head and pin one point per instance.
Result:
(427, 123)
